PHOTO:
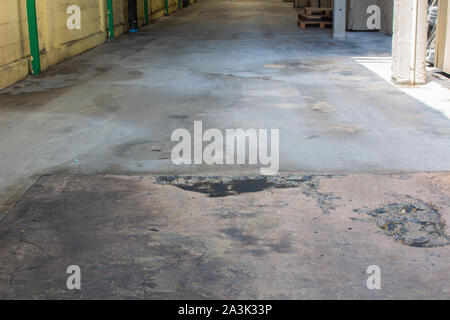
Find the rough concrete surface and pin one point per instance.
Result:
(140, 237)
(231, 64)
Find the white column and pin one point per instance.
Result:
(409, 41)
(339, 19)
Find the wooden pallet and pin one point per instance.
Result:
(311, 10)
(303, 23)
(314, 17)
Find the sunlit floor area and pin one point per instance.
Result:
(435, 93)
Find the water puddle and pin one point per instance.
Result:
(223, 186)
(234, 187)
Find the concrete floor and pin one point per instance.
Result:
(238, 64)
(134, 237)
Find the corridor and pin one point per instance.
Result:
(86, 176)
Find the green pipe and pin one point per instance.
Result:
(179, 4)
(34, 37)
(146, 11)
(110, 14)
(166, 7)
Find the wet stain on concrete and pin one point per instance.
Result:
(241, 236)
(257, 246)
(220, 186)
(124, 147)
(297, 64)
(322, 107)
(67, 68)
(142, 149)
(257, 252)
(411, 222)
(106, 103)
(274, 66)
(342, 131)
(227, 186)
(101, 70)
(282, 246)
(135, 74)
(234, 187)
(178, 117)
(55, 81)
(65, 130)
(225, 213)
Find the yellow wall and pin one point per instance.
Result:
(13, 41)
(56, 42)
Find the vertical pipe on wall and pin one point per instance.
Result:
(34, 37)
(415, 19)
(166, 7)
(179, 4)
(110, 13)
(146, 11)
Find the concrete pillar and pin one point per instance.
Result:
(409, 42)
(339, 19)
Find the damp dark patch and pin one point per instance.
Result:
(258, 252)
(106, 103)
(225, 213)
(66, 69)
(239, 235)
(178, 117)
(234, 187)
(411, 222)
(135, 74)
(101, 70)
(222, 186)
(142, 149)
(124, 147)
(167, 179)
(283, 246)
(296, 64)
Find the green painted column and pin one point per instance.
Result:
(166, 7)
(146, 11)
(180, 4)
(110, 14)
(34, 37)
